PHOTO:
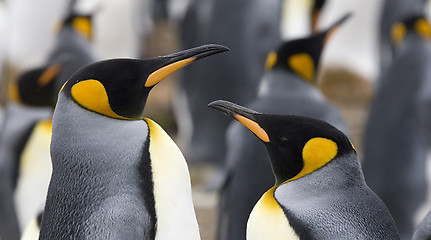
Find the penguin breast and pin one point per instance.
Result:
(175, 213)
(268, 221)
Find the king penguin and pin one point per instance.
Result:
(38, 89)
(391, 12)
(288, 86)
(73, 41)
(319, 191)
(32, 162)
(32, 97)
(117, 175)
(396, 139)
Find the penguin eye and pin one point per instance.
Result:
(283, 138)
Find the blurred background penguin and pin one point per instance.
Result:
(397, 133)
(26, 131)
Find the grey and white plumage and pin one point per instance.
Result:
(337, 199)
(90, 151)
(246, 172)
(116, 174)
(319, 190)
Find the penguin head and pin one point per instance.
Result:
(79, 22)
(415, 24)
(302, 56)
(296, 145)
(37, 87)
(118, 88)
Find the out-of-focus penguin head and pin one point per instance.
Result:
(81, 23)
(302, 56)
(415, 24)
(36, 87)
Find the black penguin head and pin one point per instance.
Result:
(296, 145)
(119, 88)
(415, 24)
(302, 56)
(37, 87)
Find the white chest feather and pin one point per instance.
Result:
(267, 220)
(34, 174)
(175, 213)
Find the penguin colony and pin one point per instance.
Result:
(79, 158)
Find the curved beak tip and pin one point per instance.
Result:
(219, 105)
(210, 49)
(230, 108)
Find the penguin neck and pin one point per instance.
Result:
(410, 64)
(282, 82)
(92, 155)
(71, 33)
(95, 138)
(411, 40)
(340, 173)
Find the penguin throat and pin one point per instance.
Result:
(91, 94)
(285, 167)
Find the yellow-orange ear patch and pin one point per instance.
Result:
(271, 59)
(254, 127)
(13, 92)
(163, 72)
(397, 33)
(423, 28)
(83, 26)
(303, 65)
(316, 153)
(91, 94)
